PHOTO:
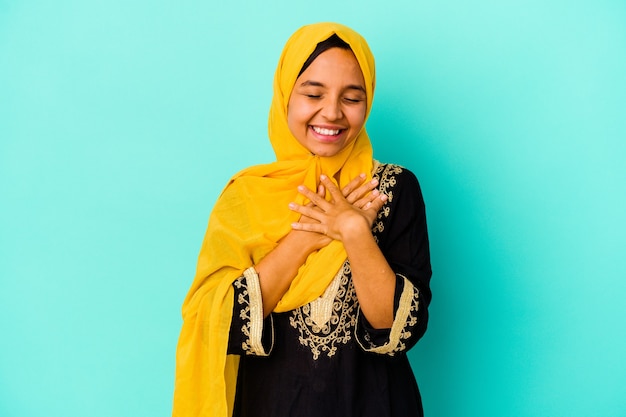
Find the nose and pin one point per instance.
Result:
(331, 109)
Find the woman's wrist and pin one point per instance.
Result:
(307, 242)
(355, 230)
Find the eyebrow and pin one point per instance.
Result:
(311, 83)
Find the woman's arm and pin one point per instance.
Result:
(374, 280)
(279, 267)
(400, 231)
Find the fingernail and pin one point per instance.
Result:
(362, 175)
(301, 187)
(375, 192)
(374, 181)
(323, 177)
(384, 197)
(292, 205)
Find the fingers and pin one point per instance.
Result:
(376, 203)
(317, 199)
(331, 187)
(363, 191)
(356, 189)
(364, 196)
(310, 219)
(321, 191)
(328, 217)
(352, 185)
(307, 211)
(362, 202)
(309, 227)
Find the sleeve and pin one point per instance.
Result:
(402, 235)
(249, 334)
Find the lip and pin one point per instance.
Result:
(328, 138)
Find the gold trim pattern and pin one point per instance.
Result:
(386, 174)
(322, 335)
(251, 313)
(402, 323)
(322, 308)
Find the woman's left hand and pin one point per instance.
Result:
(342, 217)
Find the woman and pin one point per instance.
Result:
(313, 279)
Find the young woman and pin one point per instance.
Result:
(313, 279)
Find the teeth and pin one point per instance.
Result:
(327, 132)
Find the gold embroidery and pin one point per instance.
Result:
(326, 335)
(386, 175)
(322, 308)
(404, 321)
(251, 313)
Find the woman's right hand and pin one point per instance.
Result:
(361, 194)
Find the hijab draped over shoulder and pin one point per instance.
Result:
(249, 219)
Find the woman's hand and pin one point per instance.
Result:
(350, 212)
(315, 241)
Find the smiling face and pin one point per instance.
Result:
(328, 104)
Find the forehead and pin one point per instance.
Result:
(335, 64)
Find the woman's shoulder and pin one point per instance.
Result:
(394, 175)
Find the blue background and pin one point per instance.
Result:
(120, 122)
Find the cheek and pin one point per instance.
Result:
(296, 115)
(292, 121)
(357, 117)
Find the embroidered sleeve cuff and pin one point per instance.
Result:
(404, 321)
(256, 315)
(250, 334)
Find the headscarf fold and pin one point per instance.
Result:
(247, 222)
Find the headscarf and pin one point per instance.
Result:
(247, 222)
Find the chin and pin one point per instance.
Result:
(326, 153)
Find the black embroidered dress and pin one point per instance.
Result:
(324, 359)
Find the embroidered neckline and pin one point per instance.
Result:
(322, 308)
(338, 329)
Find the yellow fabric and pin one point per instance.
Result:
(248, 220)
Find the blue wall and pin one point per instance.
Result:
(121, 121)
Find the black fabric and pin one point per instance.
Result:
(345, 380)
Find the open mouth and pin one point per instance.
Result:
(325, 133)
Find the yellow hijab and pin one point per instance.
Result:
(249, 218)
